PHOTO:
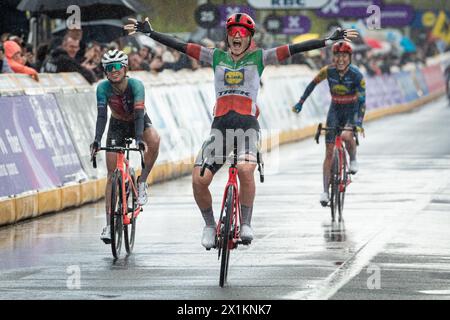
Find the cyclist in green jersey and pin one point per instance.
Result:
(237, 74)
(126, 98)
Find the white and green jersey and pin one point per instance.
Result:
(237, 82)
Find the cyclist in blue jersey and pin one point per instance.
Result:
(348, 106)
(126, 98)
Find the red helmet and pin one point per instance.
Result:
(241, 19)
(342, 47)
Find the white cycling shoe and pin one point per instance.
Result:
(142, 193)
(209, 237)
(106, 235)
(354, 167)
(324, 199)
(246, 233)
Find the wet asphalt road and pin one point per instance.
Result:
(394, 243)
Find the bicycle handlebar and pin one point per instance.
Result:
(337, 129)
(119, 150)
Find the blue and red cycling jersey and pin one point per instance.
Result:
(347, 91)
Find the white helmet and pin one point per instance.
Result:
(113, 56)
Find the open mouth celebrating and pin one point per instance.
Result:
(237, 43)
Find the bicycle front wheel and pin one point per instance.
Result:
(335, 185)
(116, 218)
(129, 231)
(226, 236)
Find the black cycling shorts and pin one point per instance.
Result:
(225, 130)
(340, 115)
(119, 130)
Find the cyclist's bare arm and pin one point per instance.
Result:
(193, 50)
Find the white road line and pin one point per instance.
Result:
(353, 266)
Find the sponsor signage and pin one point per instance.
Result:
(227, 10)
(287, 4)
(207, 16)
(397, 15)
(347, 8)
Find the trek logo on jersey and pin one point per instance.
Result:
(234, 77)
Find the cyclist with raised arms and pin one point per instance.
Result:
(348, 105)
(126, 98)
(237, 74)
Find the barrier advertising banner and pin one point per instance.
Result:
(36, 149)
(26, 160)
(57, 138)
(81, 108)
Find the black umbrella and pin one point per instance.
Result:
(102, 31)
(90, 9)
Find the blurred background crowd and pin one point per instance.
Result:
(80, 50)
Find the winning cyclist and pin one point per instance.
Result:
(125, 97)
(348, 105)
(237, 74)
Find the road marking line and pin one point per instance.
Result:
(353, 266)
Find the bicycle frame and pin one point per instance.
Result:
(123, 165)
(339, 145)
(232, 181)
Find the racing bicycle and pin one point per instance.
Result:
(227, 230)
(340, 177)
(124, 208)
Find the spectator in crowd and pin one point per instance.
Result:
(136, 63)
(16, 60)
(145, 53)
(4, 66)
(157, 63)
(62, 59)
(30, 60)
(41, 54)
(181, 61)
(93, 57)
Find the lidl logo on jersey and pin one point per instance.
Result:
(234, 77)
(340, 89)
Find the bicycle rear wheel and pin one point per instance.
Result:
(116, 218)
(335, 185)
(226, 236)
(129, 231)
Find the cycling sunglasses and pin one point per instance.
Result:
(113, 67)
(243, 31)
